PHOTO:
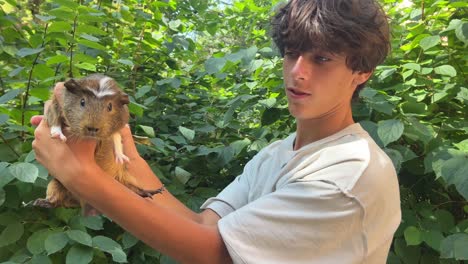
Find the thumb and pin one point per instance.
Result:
(128, 143)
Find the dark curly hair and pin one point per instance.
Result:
(356, 28)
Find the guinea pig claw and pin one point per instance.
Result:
(58, 135)
(121, 158)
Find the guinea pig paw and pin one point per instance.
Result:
(121, 158)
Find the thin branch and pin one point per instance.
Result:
(9, 146)
(28, 88)
(70, 74)
(136, 57)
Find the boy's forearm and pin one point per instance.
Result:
(169, 229)
(147, 180)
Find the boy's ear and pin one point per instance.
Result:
(362, 77)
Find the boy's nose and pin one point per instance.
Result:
(300, 69)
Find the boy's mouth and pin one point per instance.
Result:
(296, 93)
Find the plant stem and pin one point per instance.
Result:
(9, 146)
(70, 73)
(28, 88)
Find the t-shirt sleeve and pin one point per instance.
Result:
(235, 195)
(308, 222)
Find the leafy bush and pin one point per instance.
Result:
(206, 95)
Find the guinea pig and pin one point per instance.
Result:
(92, 107)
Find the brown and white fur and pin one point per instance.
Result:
(93, 107)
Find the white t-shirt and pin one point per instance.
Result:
(335, 200)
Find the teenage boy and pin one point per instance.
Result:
(325, 194)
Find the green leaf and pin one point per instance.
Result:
(128, 240)
(413, 236)
(214, 65)
(461, 31)
(55, 242)
(44, 18)
(187, 133)
(454, 246)
(80, 237)
(89, 37)
(35, 243)
(79, 254)
(174, 24)
(386, 73)
(23, 52)
(59, 26)
(239, 145)
(86, 66)
(67, 3)
(42, 72)
(40, 259)
(433, 238)
(12, 233)
(446, 70)
(92, 222)
(412, 66)
(25, 172)
(390, 130)
(270, 116)
(462, 96)
(91, 44)
(409, 254)
(88, 29)
(3, 118)
(2, 196)
(396, 157)
(182, 175)
(56, 59)
(15, 72)
(110, 246)
(10, 95)
(429, 42)
(463, 145)
(414, 108)
(149, 131)
(454, 171)
(126, 62)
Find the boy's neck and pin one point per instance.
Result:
(311, 130)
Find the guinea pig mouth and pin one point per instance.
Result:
(92, 132)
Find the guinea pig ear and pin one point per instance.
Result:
(72, 86)
(124, 100)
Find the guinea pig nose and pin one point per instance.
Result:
(92, 129)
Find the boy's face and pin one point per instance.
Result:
(318, 84)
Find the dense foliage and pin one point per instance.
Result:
(206, 92)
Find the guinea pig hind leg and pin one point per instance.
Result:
(120, 157)
(57, 196)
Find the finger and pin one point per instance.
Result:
(35, 120)
(127, 141)
(42, 130)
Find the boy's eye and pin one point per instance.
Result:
(321, 59)
(291, 53)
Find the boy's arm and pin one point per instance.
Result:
(147, 180)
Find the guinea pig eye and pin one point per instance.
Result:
(82, 102)
(109, 107)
